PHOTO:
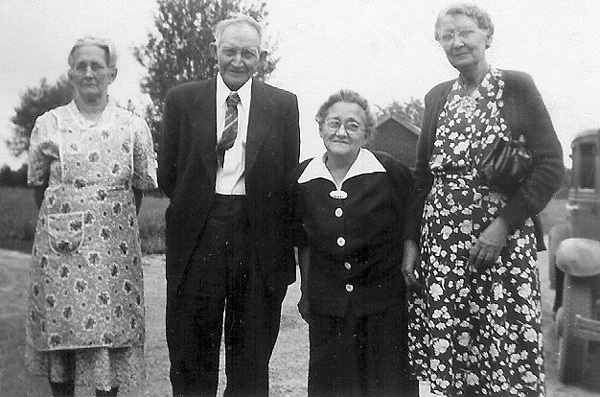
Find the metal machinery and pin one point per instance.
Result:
(579, 258)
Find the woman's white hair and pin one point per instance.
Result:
(105, 44)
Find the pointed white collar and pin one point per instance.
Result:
(365, 163)
(245, 92)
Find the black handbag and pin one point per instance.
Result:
(507, 165)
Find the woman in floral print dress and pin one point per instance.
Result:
(89, 162)
(475, 325)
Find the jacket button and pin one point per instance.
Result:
(349, 287)
(341, 241)
(347, 265)
(339, 212)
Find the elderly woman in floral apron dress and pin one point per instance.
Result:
(475, 327)
(89, 162)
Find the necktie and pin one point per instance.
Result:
(231, 127)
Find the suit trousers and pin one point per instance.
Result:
(223, 277)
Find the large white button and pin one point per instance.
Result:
(341, 241)
(339, 212)
(349, 287)
(347, 265)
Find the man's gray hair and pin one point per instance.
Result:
(239, 19)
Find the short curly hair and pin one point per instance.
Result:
(347, 96)
(477, 14)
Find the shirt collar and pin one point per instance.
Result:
(365, 163)
(106, 116)
(223, 91)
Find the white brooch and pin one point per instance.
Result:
(338, 194)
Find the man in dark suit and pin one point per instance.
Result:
(227, 145)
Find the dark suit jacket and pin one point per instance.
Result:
(187, 174)
(526, 114)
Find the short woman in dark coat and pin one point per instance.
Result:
(476, 327)
(350, 211)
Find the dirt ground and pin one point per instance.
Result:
(289, 364)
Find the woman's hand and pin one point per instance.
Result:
(409, 259)
(487, 249)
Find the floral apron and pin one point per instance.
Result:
(87, 284)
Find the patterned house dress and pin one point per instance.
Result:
(474, 333)
(85, 318)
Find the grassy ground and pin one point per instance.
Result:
(290, 358)
(18, 216)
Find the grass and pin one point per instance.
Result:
(14, 378)
(151, 220)
(18, 217)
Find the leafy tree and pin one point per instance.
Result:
(34, 102)
(411, 111)
(179, 51)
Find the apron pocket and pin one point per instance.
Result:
(65, 231)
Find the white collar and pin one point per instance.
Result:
(365, 163)
(105, 117)
(245, 92)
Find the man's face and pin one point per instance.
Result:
(237, 54)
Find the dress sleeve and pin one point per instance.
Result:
(527, 115)
(43, 150)
(144, 157)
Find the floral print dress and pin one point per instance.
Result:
(474, 332)
(85, 319)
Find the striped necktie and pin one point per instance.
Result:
(231, 127)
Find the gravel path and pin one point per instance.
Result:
(290, 358)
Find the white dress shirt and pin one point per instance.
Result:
(230, 177)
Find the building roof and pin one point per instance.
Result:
(408, 125)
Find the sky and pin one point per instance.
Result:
(384, 49)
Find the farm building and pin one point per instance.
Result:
(396, 137)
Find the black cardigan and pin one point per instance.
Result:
(525, 114)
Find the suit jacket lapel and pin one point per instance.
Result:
(203, 118)
(259, 122)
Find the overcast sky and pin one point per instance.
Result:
(383, 49)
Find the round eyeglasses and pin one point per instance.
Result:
(449, 36)
(334, 125)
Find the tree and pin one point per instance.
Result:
(179, 52)
(34, 102)
(411, 111)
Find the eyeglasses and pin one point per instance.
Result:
(462, 34)
(334, 125)
(82, 68)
